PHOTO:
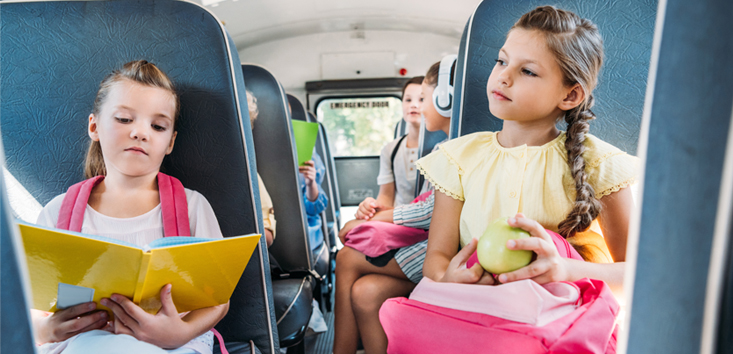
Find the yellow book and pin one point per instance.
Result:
(203, 271)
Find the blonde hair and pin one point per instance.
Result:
(578, 49)
(252, 107)
(141, 72)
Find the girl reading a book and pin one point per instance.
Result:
(132, 127)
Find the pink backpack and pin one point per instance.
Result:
(522, 318)
(375, 238)
(519, 317)
(173, 205)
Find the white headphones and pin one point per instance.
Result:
(443, 93)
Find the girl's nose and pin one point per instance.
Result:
(139, 133)
(505, 78)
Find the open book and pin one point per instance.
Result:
(203, 271)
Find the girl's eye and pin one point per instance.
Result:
(159, 128)
(528, 72)
(123, 120)
(500, 62)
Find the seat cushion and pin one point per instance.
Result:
(293, 307)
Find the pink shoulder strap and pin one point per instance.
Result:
(75, 202)
(173, 203)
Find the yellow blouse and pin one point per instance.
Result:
(494, 181)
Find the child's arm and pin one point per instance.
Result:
(385, 201)
(166, 329)
(443, 262)
(66, 323)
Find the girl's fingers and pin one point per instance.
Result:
(99, 323)
(121, 316)
(465, 253)
(166, 299)
(533, 227)
(120, 328)
(78, 324)
(75, 311)
(533, 270)
(534, 244)
(486, 279)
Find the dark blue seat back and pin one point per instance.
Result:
(627, 28)
(328, 183)
(52, 59)
(298, 110)
(278, 168)
(333, 198)
(15, 325)
(428, 140)
(400, 129)
(683, 288)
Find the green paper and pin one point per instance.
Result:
(305, 139)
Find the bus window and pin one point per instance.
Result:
(359, 126)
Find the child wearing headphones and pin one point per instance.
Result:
(364, 283)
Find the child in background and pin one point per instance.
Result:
(132, 127)
(539, 177)
(397, 173)
(364, 283)
(314, 199)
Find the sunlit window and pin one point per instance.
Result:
(359, 126)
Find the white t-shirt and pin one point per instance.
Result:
(139, 230)
(405, 172)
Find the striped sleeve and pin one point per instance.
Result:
(417, 215)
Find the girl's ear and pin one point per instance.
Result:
(92, 131)
(574, 97)
(170, 146)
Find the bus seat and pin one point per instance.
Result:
(51, 67)
(322, 254)
(400, 129)
(427, 142)
(277, 166)
(682, 300)
(297, 109)
(627, 28)
(15, 322)
(328, 159)
(328, 182)
(328, 222)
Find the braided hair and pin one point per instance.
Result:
(578, 48)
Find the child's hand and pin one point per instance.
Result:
(458, 273)
(348, 227)
(367, 208)
(165, 329)
(549, 265)
(66, 323)
(308, 171)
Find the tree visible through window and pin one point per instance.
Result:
(359, 126)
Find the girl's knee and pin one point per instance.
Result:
(366, 295)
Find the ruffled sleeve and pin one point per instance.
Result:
(440, 169)
(609, 169)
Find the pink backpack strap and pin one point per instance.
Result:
(74, 204)
(173, 206)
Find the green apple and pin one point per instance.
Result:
(492, 252)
